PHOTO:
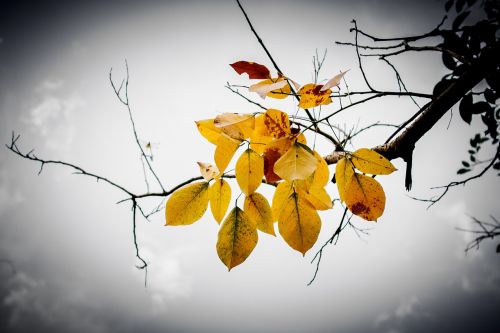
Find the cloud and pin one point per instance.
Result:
(9, 194)
(52, 117)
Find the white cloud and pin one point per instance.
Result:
(52, 117)
(168, 279)
(49, 85)
(9, 196)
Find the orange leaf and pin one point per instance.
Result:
(272, 153)
(312, 96)
(253, 69)
(277, 123)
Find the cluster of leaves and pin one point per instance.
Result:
(475, 45)
(276, 153)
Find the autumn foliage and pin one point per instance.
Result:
(275, 153)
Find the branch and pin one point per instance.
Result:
(446, 188)
(278, 69)
(78, 170)
(486, 231)
(425, 118)
(125, 101)
(317, 257)
(434, 32)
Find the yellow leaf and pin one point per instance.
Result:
(249, 171)
(299, 223)
(274, 88)
(312, 96)
(208, 130)
(369, 161)
(187, 205)
(260, 136)
(319, 198)
(301, 138)
(297, 163)
(236, 125)
(257, 208)
(343, 175)
(281, 195)
(237, 238)
(226, 147)
(207, 170)
(220, 196)
(365, 197)
(277, 123)
(322, 173)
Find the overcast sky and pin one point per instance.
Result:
(70, 245)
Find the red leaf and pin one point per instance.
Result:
(253, 69)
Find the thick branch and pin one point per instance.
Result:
(428, 117)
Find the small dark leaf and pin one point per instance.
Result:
(440, 87)
(498, 248)
(466, 164)
(462, 171)
(448, 5)
(459, 20)
(496, 166)
(483, 139)
(460, 70)
(471, 2)
(448, 61)
(481, 107)
(491, 124)
(334, 180)
(465, 108)
(472, 158)
(472, 152)
(489, 95)
(459, 5)
(493, 81)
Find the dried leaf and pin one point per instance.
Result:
(281, 194)
(219, 195)
(236, 125)
(321, 175)
(319, 198)
(334, 81)
(208, 170)
(275, 88)
(187, 205)
(277, 123)
(257, 208)
(273, 152)
(260, 136)
(253, 69)
(299, 223)
(249, 171)
(343, 175)
(226, 147)
(365, 197)
(371, 162)
(297, 163)
(208, 130)
(237, 238)
(312, 96)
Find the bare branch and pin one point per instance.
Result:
(446, 188)
(125, 101)
(78, 170)
(486, 231)
(230, 87)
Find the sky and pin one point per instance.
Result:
(67, 259)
